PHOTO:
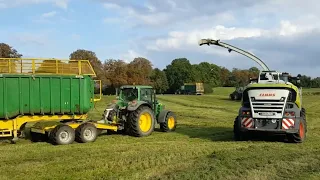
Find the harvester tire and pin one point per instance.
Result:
(300, 136)
(170, 123)
(237, 134)
(303, 115)
(141, 122)
(62, 135)
(86, 132)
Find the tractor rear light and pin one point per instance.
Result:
(289, 114)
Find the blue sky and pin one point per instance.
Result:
(284, 33)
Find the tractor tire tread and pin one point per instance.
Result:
(164, 126)
(132, 124)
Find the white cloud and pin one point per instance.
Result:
(14, 3)
(188, 40)
(49, 14)
(62, 3)
(111, 6)
(2, 5)
(130, 55)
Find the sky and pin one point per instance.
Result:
(283, 33)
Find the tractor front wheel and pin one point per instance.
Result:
(170, 123)
(141, 122)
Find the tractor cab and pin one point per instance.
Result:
(133, 94)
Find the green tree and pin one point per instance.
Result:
(115, 71)
(139, 71)
(180, 71)
(82, 54)
(159, 80)
(225, 76)
(306, 81)
(6, 51)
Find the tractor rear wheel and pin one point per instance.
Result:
(170, 123)
(141, 122)
(86, 132)
(62, 135)
(236, 97)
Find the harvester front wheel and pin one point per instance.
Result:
(170, 123)
(62, 135)
(141, 122)
(86, 132)
(300, 136)
(237, 134)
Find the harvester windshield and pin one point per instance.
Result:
(129, 94)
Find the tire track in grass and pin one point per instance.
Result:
(199, 106)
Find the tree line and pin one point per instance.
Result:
(115, 72)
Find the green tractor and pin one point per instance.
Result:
(136, 112)
(237, 93)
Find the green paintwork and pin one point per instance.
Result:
(44, 94)
(126, 102)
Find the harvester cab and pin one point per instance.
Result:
(272, 103)
(137, 110)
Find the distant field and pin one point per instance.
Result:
(201, 148)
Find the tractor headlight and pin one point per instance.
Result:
(282, 99)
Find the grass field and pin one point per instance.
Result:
(201, 148)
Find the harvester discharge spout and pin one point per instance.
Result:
(232, 48)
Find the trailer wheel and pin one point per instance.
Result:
(86, 132)
(37, 137)
(62, 135)
(170, 123)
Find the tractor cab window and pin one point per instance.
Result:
(146, 95)
(129, 94)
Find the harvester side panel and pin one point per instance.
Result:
(44, 95)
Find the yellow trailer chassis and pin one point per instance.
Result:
(53, 127)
